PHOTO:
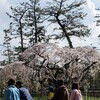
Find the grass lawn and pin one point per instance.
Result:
(91, 98)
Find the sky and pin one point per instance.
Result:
(89, 20)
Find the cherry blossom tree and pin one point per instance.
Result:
(84, 64)
(47, 61)
(51, 61)
(18, 71)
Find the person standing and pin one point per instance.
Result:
(51, 93)
(76, 93)
(61, 92)
(24, 93)
(11, 92)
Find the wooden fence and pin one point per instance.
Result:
(90, 95)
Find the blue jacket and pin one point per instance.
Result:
(24, 94)
(11, 93)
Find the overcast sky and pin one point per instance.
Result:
(89, 20)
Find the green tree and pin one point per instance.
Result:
(27, 24)
(68, 15)
(34, 22)
(8, 52)
(17, 25)
(98, 19)
(96, 81)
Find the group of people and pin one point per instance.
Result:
(16, 91)
(61, 92)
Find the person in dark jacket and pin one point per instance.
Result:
(61, 92)
(24, 93)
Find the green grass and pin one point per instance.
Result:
(91, 98)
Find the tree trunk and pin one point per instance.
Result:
(65, 33)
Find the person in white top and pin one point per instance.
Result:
(75, 93)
